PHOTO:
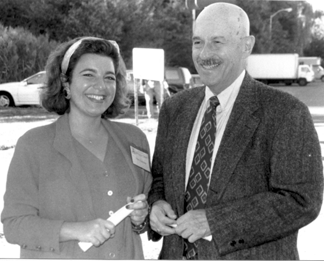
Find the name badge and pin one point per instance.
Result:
(140, 159)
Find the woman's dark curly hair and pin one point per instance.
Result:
(53, 96)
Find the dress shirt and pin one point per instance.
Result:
(226, 99)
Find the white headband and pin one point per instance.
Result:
(73, 47)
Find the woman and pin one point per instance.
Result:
(67, 178)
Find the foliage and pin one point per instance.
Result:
(163, 24)
(21, 53)
(171, 32)
(316, 46)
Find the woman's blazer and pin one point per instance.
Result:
(46, 186)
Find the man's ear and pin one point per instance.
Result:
(249, 44)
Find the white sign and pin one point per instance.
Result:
(148, 64)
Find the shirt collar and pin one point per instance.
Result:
(228, 96)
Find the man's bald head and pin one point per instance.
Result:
(230, 16)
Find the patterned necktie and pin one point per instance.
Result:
(197, 187)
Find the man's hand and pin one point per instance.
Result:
(193, 225)
(162, 217)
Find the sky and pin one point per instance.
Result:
(317, 4)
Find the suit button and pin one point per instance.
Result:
(233, 243)
(38, 248)
(112, 255)
(24, 246)
(241, 241)
(110, 212)
(52, 249)
(110, 193)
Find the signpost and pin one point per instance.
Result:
(148, 63)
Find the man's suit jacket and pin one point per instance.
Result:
(47, 186)
(267, 180)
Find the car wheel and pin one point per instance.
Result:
(6, 100)
(302, 82)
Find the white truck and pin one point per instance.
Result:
(279, 68)
(315, 64)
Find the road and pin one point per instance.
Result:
(312, 95)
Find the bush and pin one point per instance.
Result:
(22, 54)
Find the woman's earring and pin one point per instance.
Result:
(67, 91)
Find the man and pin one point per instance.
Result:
(266, 179)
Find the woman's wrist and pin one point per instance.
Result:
(141, 227)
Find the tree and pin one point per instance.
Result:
(162, 24)
(21, 53)
(156, 24)
(92, 18)
(172, 32)
(315, 47)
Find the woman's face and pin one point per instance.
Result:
(93, 85)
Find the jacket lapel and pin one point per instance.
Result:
(63, 143)
(183, 124)
(238, 133)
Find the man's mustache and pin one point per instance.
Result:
(209, 61)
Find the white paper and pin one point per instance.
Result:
(208, 238)
(115, 218)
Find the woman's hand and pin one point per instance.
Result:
(140, 207)
(95, 231)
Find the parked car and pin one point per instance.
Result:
(178, 78)
(196, 81)
(25, 92)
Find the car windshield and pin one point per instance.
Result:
(36, 79)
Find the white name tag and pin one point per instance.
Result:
(140, 159)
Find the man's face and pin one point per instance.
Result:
(217, 51)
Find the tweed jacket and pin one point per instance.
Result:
(46, 186)
(267, 180)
